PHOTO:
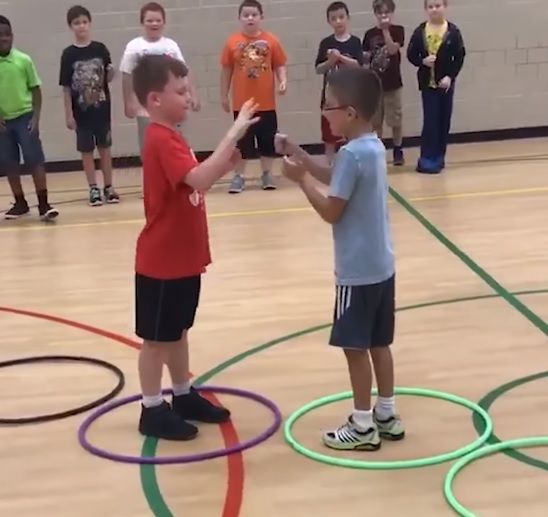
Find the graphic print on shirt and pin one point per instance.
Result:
(163, 52)
(254, 57)
(195, 199)
(380, 57)
(434, 41)
(88, 80)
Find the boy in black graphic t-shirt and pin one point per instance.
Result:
(86, 70)
(382, 45)
(339, 49)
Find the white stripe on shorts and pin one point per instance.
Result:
(344, 298)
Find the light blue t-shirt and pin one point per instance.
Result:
(363, 239)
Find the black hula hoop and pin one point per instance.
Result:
(65, 414)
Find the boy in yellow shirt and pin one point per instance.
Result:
(437, 49)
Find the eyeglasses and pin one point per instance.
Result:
(335, 108)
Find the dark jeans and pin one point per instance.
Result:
(437, 106)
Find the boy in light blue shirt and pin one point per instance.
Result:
(357, 208)
(362, 237)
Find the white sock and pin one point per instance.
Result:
(363, 419)
(152, 400)
(181, 389)
(385, 407)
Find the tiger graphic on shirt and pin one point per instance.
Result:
(254, 57)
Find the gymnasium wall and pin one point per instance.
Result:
(504, 83)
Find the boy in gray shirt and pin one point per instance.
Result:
(357, 208)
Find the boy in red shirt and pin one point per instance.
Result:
(173, 247)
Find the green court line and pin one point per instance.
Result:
(525, 311)
(149, 480)
(486, 403)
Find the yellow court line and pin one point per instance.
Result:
(487, 193)
(274, 211)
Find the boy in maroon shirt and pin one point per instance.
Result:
(382, 45)
(173, 247)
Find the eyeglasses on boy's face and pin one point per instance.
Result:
(335, 108)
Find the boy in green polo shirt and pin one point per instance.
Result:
(20, 106)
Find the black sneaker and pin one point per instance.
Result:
(47, 212)
(18, 209)
(195, 407)
(399, 160)
(163, 423)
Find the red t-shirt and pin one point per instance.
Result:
(174, 242)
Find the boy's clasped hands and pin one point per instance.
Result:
(430, 61)
(292, 168)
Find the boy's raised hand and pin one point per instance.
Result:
(246, 118)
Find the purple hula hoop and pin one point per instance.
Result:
(191, 458)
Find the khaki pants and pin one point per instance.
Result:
(390, 110)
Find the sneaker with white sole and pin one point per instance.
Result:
(238, 185)
(351, 437)
(111, 196)
(47, 213)
(95, 198)
(391, 428)
(19, 209)
(267, 181)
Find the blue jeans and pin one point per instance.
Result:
(16, 140)
(437, 106)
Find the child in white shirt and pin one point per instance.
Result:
(153, 19)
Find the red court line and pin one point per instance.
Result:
(235, 476)
(236, 473)
(75, 324)
(235, 463)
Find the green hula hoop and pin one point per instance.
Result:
(389, 465)
(520, 443)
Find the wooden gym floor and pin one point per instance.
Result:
(485, 237)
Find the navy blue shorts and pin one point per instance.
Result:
(164, 309)
(364, 316)
(17, 140)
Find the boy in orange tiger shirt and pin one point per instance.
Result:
(252, 59)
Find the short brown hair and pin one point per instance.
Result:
(359, 88)
(152, 74)
(389, 5)
(250, 3)
(153, 7)
(337, 6)
(75, 12)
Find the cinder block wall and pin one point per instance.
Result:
(504, 83)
